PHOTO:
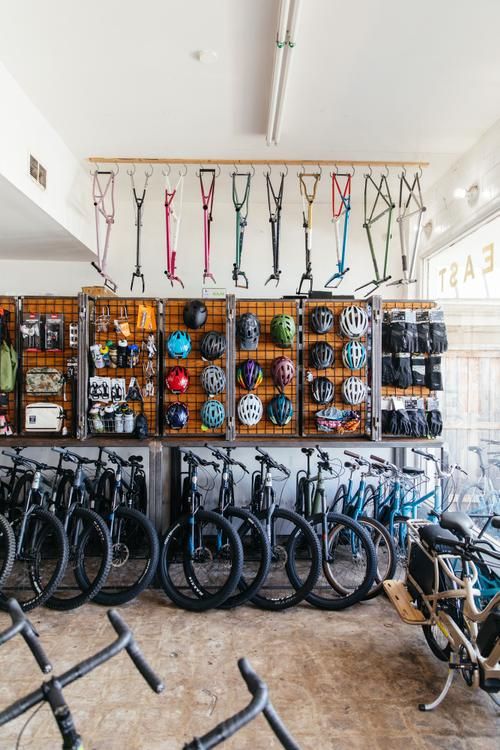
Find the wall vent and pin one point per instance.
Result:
(38, 172)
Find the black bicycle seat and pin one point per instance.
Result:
(457, 522)
(434, 536)
(307, 451)
(349, 465)
(411, 471)
(135, 459)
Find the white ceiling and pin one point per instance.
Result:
(380, 79)
(27, 232)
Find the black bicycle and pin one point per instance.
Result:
(201, 558)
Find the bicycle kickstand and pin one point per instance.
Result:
(137, 275)
(442, 695)
(236, 275)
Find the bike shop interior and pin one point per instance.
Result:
(249, 367)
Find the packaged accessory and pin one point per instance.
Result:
(73, 335)
(31, 332)
(102, 320)
(99, 388)
(403, 331)
(132, 355)
(418, 369)
(434, 376)
(133, 391)
(46, 380)
(434, 423)
(388, 374)
(5, 427)
(146, 318)
(438, 335)
(403, 376)
(43, 417)
(121, 357)
(423, 331)
(121, 324)
(118, 389)
(97, 358)
(8, 367)
(54, 332)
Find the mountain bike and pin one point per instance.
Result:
(256, 547)
(133, 481)
(41, 546)
(134, 543)
(481, 497)
(289, 581)
(439, 595)
(201, 556)
(348, 562)
(352, 504)
(51, 691)
(14, 484)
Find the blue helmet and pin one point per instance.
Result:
(176, 415)
(354, 355)
(212, 414)
(179, 344)
(280, 410)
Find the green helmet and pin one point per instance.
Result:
(283, 330)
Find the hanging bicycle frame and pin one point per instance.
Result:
(275, 203)
(308, 198)
(139, 208)
(341, 211)
(410, 195)
(207, 198)
(173, 213)
(241, 208)
(99, 196)
(383, 201)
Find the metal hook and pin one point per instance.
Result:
(303, 171)
(420, 172)
(117, 170)
(253, 170)
(184, 173)
(335, 171)
(285, 174)
(320, 170)
(386, 171)
(131, 172)
(353, 170)
(371, 170)
(269, 171)
(218, 171)
(166, 173)
(235, 168)
(149, 172)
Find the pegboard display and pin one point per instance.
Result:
(124, 351)
(267, 351)
(337, 373)
(195, 396)
(49, 365)
(8, 321)
(417, 391)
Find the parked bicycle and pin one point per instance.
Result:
(481, 497)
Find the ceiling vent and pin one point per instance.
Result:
(38, 172)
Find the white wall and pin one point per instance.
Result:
(24, 130)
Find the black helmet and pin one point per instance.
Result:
(195, 313)
(213, 345)
(321, 319)
(322, 390)
(322, 355)
(248, 331)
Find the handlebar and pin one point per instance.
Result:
(21, 624)
(225, 458)
(272, 463)
(25, 460)
(125, 641)
(192, 458)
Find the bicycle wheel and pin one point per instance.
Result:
(101, 497)
(256, 554)
(20, 492)
(473, 500)
(385, 554)
(340, 499)
(201, 561)
(7, 549)
(437, 642)
(139, 492)
(40, 563)
(135, 551)
(348, 568)
(303, 500)
(369, 501)
(293, 543)
(89, 561)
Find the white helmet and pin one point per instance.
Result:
(354, 355)
(354, 391)
(250, 409)
(353, 322)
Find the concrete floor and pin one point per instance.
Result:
(340, 680)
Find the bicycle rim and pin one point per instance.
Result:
(385, 553)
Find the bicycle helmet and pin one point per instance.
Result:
(354, 390)
(322, 390)
(283, 330)
(354, 355)
(195, 314)
(212, 414)
(213, 380)
(248, 331)
(177, 379)
(249, 374)
(250, 409)
(280, 410)
(353, 322)
(176, 415)
(179, 344)
(322, 355)
(213, 345)
(282, 372)
(321, 319)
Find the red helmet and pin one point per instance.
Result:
(177, 379)
(282, 372)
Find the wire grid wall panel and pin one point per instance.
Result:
(126, 312)
(418, 391)
(64, 359)
(337, 373)
(10, 305)
(266, 352)
(195, 396)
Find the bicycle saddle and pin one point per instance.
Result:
(349, 465)
(458, 522)
(307, 451)
(434, 536)
(412, 472)
(135, 459)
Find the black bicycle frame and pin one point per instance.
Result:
(139, 207)
(241, 208)
(275, 203)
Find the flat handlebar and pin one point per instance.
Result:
(21, 624)
(271, 462)
(225, 458)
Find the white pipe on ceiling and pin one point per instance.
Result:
(279, 51)
(292, 35)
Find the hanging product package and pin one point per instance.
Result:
(146, 318)
(54, 332)
(46, 380)
(43, 417)
(31, 332)
(8, 367)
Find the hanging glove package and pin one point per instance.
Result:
(438, 335)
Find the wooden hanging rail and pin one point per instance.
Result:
(264, 162)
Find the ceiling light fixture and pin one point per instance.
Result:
(207, 56)
(289, 13)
